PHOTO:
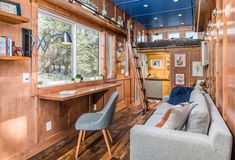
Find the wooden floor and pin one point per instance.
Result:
(94, 147)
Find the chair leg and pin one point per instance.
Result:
(106, 141)
(109, 135)
(79, 143)
(83, 135)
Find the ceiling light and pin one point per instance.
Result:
(175, 0)
(155, 18)
(145, 5)
(182, 23)
(161, 25)
(180, 15)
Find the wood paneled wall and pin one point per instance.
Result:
(224, 67)
(192, 54)
(23, 116)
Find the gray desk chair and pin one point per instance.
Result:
(97, 121)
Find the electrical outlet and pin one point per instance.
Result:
(95, 107)
(48, 126)
(26, 77)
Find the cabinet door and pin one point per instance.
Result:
(121, 90)
(127, 91)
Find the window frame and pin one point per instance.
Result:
(191, 32)
(73, 48)
(173, 33)
(158, 35)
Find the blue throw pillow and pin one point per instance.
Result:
(179, 95)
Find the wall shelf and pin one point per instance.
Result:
(84, 13)
(13, 58)
(12, 19)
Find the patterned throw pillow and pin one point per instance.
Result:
(176, 117)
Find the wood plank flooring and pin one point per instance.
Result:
(94, 148)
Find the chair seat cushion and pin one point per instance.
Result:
(87, 121)
(179, 95)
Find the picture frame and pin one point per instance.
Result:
(180, 79)
(197, 69)
(156, 63)
(10, 7)
(180, 60)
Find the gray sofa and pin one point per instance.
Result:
(148, 142)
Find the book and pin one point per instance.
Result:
(68, 92)
(2, 46)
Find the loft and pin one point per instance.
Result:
(117, 79)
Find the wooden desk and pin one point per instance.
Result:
(83, 91)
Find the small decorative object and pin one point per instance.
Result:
(203, 86)
(73, 79)
(113, 19)
(89, 4)
(78, 78)
(104, 12)
(180, 60)
(17, 51)
(10, 7)
(197, 69)
(156, 63)
(120, 21)
(179, 79)
(119, 49)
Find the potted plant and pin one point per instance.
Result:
(73, 79)
(78, 78)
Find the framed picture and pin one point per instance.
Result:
(156, 63)
(180, 60)
(10, 7)
(179, 79)
(197, 69)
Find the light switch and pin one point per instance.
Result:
(26, 77)
(48, 126)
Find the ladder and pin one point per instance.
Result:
(139, 79)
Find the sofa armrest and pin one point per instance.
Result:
(148, 143)
(165, 99)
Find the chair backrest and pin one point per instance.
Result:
(109, 109)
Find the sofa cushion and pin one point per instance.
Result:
(153, 120)
(162, 108)
(180, 94)
(164, 118)
(178, 116)
(199, 117)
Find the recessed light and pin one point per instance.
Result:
(182, 23)
(180, 15)
(145, 5)
(161, 25)
(175, 0)
(155, 18)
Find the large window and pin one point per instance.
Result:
(191, 34)
(59, 62)
(55, 62)
(156, 37)
(87, 52)
(109, 59)
(173, 35)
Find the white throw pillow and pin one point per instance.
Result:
(178, 116)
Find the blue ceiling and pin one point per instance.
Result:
(165, 12)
